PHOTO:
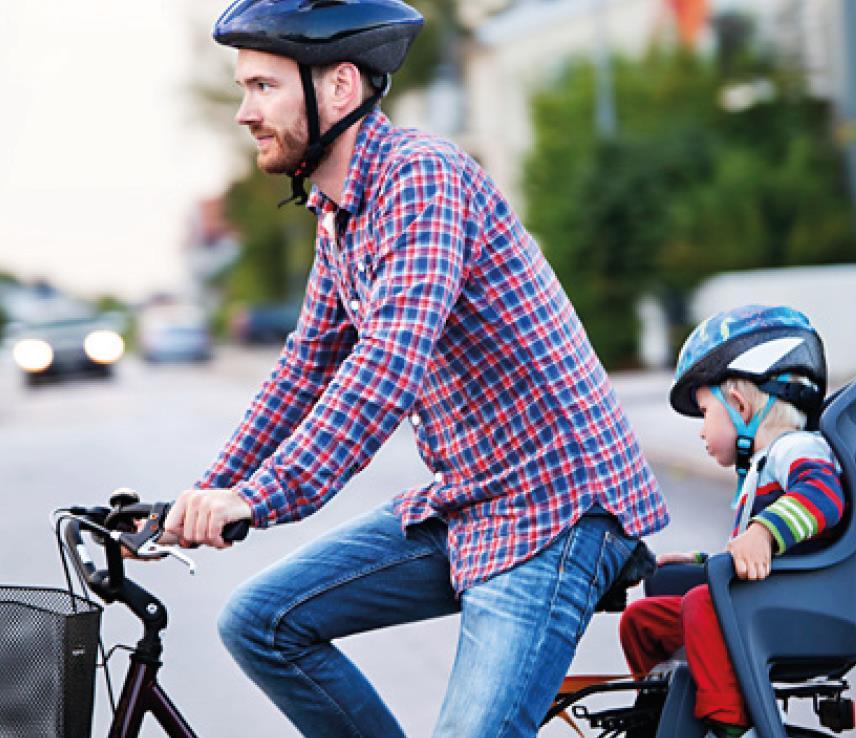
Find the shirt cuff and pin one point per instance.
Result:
(770, 525)
(265, 496)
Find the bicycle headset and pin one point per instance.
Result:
(759, 343)
(375, 35)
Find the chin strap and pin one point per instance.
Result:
(317, 143)
(745, 443)
(807, 398)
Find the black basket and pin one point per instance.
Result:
(48, 649)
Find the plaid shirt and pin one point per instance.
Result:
(429, 301)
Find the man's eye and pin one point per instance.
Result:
(262, 86)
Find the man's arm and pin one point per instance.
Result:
(419, 273)
(310, 357)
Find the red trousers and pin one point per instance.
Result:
(653, 628)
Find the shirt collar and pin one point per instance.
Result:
(372, 131)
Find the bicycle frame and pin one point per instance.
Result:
(142, 694)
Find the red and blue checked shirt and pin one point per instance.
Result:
(429, 301)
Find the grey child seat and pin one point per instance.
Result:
(800, 622)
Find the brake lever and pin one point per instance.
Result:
(143, 543)
(153, 550)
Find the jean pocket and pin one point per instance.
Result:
(626, 562)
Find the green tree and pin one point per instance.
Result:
(685, 190)
(276, 244)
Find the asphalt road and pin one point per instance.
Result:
(155, 429)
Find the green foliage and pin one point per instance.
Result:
(276, 244)
(684, 191)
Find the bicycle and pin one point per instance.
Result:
(812, 666)
(115, 528)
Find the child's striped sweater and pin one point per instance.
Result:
(798, 493)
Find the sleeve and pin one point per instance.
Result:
(419, 240)
(813, 499)
(321, 340)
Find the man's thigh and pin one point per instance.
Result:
(362, 575)
(519, 632)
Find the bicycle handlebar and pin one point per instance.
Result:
(115, 528)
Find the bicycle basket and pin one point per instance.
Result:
(48, 648)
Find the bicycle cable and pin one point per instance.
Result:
(63, 557)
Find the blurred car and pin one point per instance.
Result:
(76, 345)
(266, 323)
(174, 333)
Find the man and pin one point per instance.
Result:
(428, 301)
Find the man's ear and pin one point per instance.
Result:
(345, 87)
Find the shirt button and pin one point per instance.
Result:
(361, 268)
(438, 477)
(416, 420)
(329, 223)
(355, 305)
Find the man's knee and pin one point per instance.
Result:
(249, 624)
(238, 624)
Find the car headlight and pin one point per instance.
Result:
(104, 347)
(33, 354)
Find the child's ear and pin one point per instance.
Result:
(740, 403)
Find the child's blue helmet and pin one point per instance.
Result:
(758, 343)
(764, 345)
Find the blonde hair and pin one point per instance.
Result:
(782, 414)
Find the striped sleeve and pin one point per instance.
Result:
(813, 500)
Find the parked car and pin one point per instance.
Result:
(174, 332)
(83, 344)
(266, 323)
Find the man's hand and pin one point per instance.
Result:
(676, 558)
(198, 516)
(752, 552)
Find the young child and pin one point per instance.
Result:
(756, 375)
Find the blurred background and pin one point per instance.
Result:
(672, 157)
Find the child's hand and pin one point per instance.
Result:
(676, 558)
(752, 552)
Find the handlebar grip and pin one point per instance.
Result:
(77, 548)
(236, 531)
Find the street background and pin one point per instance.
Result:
(156, 428)
(673, 158)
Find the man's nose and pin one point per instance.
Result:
(247, 113)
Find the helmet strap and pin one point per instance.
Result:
(805, 397)
(745, 443)
(317, 143)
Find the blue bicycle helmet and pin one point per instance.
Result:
(375, 35)
(755, 342)
(759, 343)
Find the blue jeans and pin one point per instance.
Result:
(519, 630)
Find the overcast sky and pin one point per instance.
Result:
(102, 153)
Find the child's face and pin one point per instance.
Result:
(717, 430)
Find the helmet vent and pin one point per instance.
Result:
(760, 359)
(314, 4)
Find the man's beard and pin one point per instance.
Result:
(289, 149)
(285, 153)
